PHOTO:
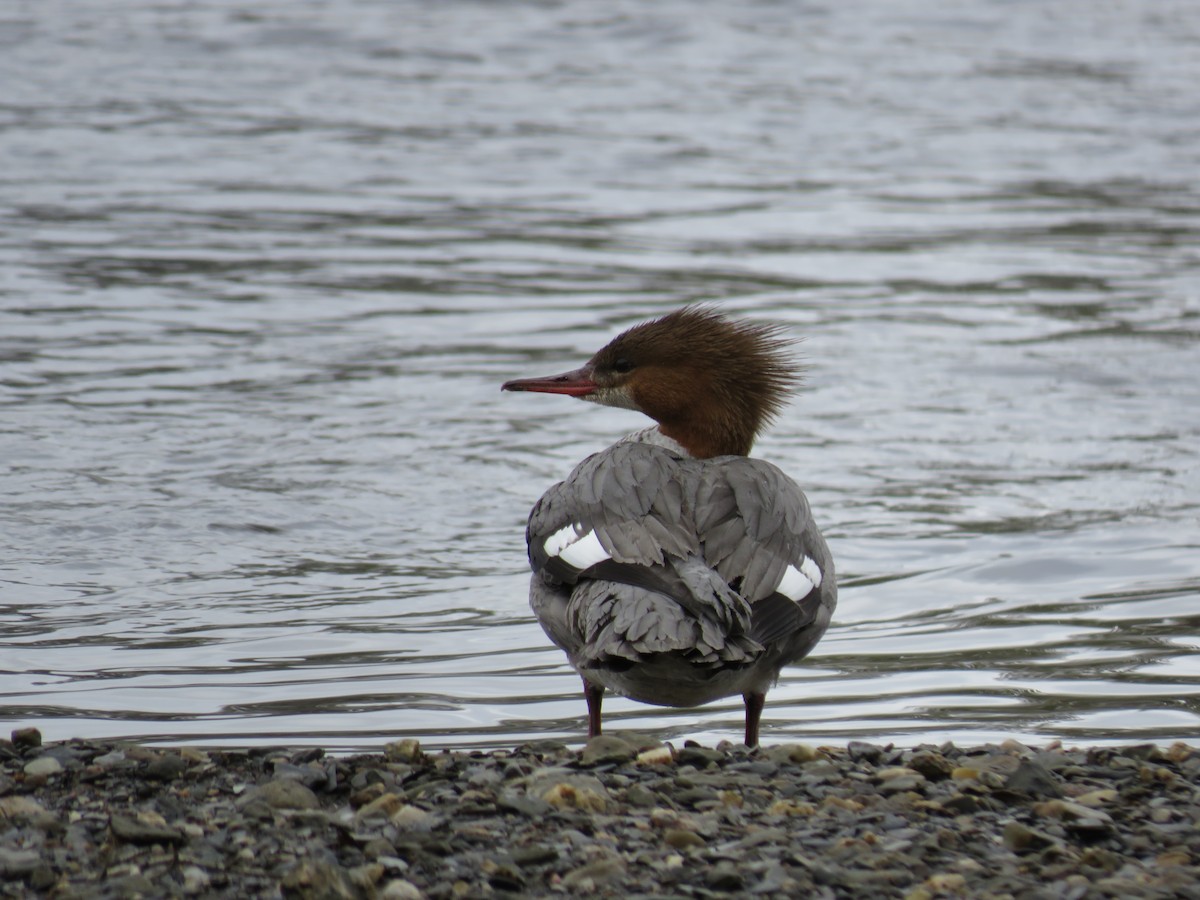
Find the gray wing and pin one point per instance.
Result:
(630, 497)
(625, 517)
(641, 551)
(757, 533)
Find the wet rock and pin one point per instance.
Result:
(639, 796)
(503, 875)
(961, 804)
(791, 753)
(284, 793)
(412, 818)
(132, 885)
(43, 766)
(18, 863)
(589, 877)
(697, 797)
(145, 828)
(896, 779)
(1143, 752)
(69, 755)
(27, 811)
(534, 855)
(724, 877)
(365, 877)
(1098, 798)
(26, 738)
(112, 759)
(700, 757)
(931, 764)
(383, 805)
(522, 803)
(318, 880)
(1020, 838)
(399, 889)
(1064, 809)
(1033, 779)
(404, 751)
(167, 767)
(566, 795)
(863, 752)
(195, 880)
(656, 756)
(567, 790)
(682, 839)
(1077, 818)
(1179, 752)
(377, 847)
(791, 808)
(605, 748)
(546, 749)
(941, 884)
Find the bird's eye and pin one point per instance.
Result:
(622, 365)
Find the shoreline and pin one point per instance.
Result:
(622, 816)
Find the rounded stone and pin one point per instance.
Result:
(682, 839)
(606, 748)
(399, 889)
(284, 793)
(26, 738)
(404, 751)
(44, 766)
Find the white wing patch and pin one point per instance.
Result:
(796, 584)
(560, 540)
(809, 570)
(576, 550)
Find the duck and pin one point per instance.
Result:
(672, 567)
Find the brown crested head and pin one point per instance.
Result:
(710, 382)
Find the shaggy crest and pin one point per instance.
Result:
(712, 383)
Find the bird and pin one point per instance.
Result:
(673, 568)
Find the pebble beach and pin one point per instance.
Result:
(621, 816)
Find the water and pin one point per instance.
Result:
(262, 271)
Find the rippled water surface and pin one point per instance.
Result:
(264, 266)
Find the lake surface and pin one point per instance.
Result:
(263, 269)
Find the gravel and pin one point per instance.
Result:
(623, 816)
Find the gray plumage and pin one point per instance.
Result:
(685, 610)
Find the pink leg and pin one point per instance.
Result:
(594, 693)
(755, 701)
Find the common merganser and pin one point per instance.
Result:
(671, 567)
